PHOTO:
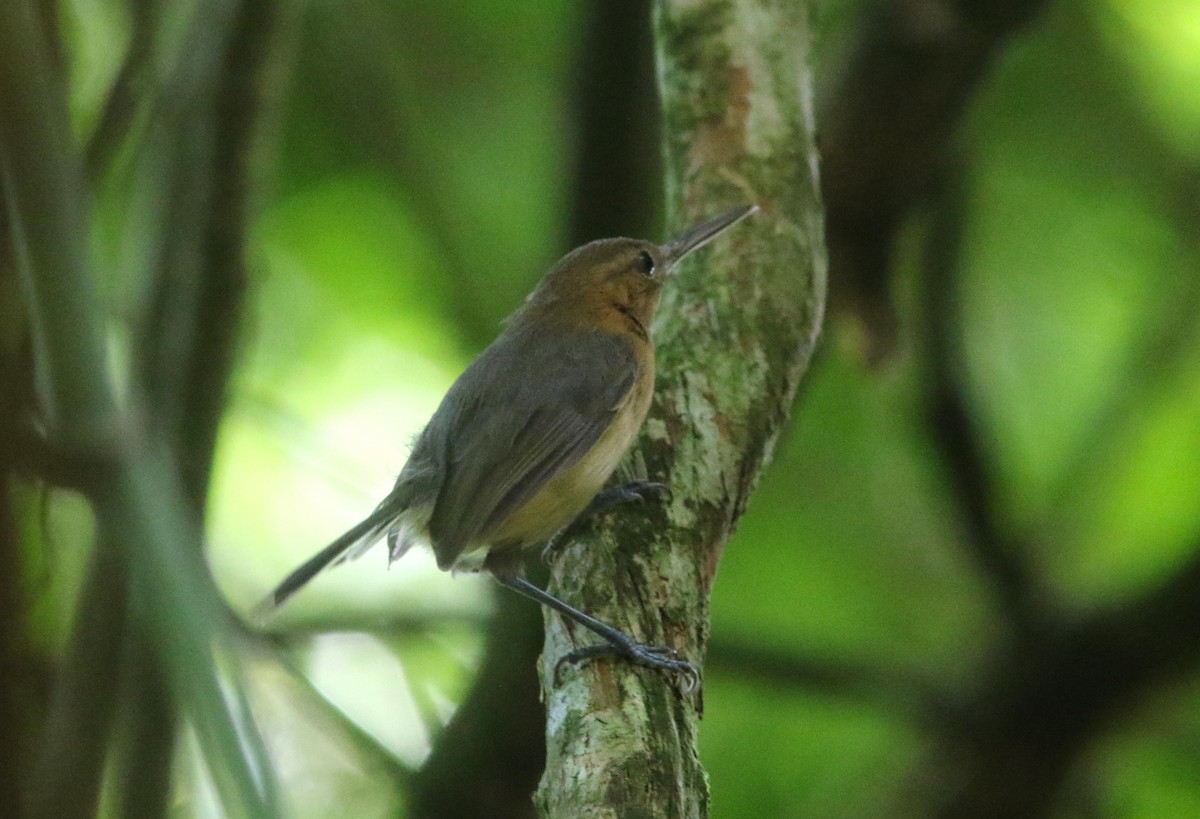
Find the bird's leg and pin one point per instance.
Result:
(619, 643)
(609, 498)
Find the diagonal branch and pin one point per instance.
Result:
(1059, 681)
(117, 112)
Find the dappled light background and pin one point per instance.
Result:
(421, 178)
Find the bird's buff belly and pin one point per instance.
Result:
(565, 495)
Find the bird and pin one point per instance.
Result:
(525, 440)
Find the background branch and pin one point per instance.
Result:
(889, 688)
(886, 121)
(1043, 702)
(956, 431)
(82, 711)
(1060, 679)
(184, 350)
(120, 106)
(971, 584)
(140, 513)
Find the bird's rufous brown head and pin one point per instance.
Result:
(614, 283)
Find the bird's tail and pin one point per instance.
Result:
(348, 546)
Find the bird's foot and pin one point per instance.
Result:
(631, 492)
(606, 499)
(658, 657)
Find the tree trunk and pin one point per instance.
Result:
(736, 330)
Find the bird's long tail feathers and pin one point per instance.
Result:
(350, 545)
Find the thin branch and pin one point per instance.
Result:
(184, 374)
(284, 633)
(248, 98)
(44, 224)
(117, 112)
(33, 455)
(145, 748)
(185, 341)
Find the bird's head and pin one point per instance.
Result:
(618, 280)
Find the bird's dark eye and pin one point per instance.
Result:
(645, 263)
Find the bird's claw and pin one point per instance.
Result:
(657, 657)
(635, 491)
(613, 496)
(556, 542)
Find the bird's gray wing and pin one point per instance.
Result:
(521, 414)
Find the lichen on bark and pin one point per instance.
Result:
(735, 332)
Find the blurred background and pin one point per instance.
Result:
(968, 585)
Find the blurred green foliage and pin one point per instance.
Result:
(420, 188)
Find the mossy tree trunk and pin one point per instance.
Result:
(735, 333)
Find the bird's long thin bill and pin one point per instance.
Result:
(704, 233)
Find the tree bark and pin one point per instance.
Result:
(736, 330)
